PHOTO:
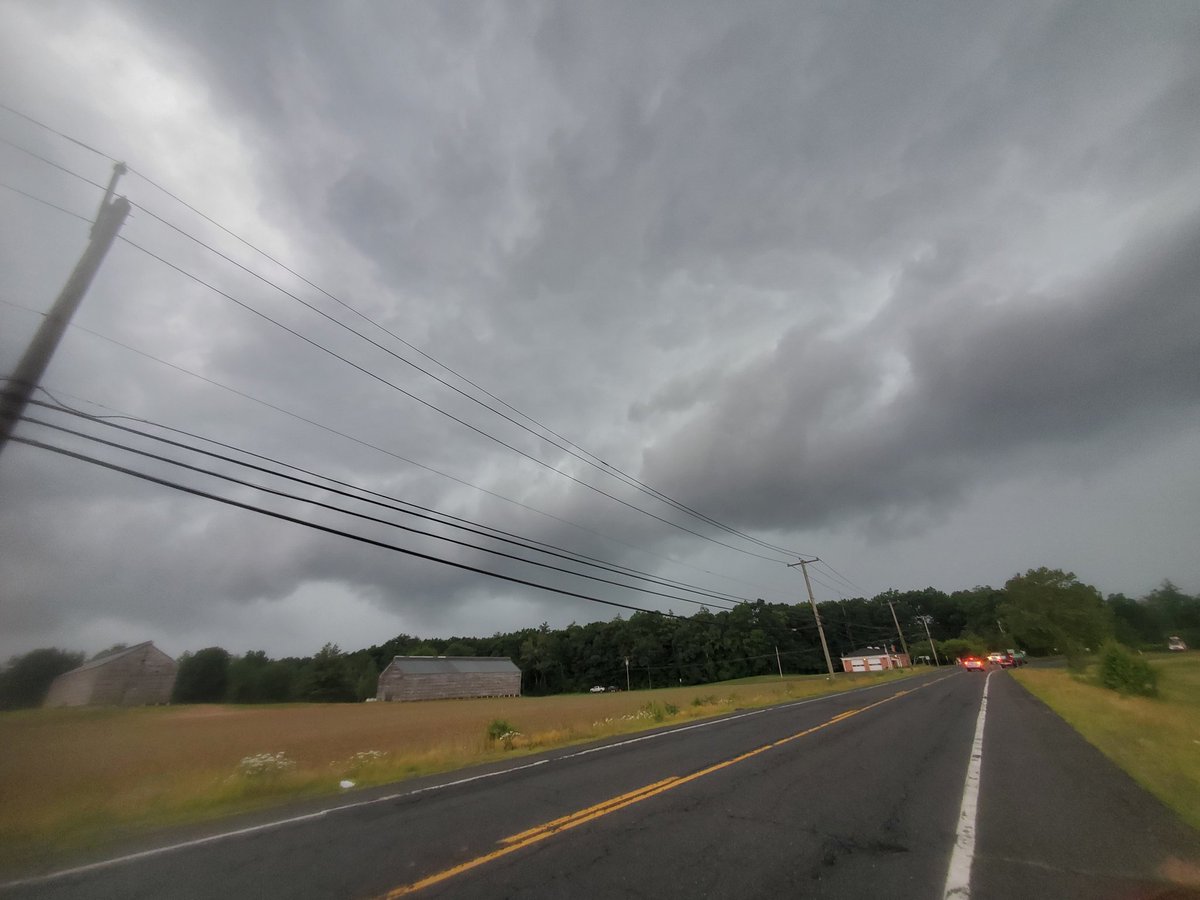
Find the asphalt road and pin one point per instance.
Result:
(849, 796)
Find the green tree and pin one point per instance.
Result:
(1051, 611)
(246, 677)
(25, 680)
(203, 676)
(328, 679)
(367, 683)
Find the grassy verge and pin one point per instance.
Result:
(72, 779)
(1157, 741)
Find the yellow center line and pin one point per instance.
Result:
(523, 839)
(557, 824)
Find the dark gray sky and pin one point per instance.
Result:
(911, 287)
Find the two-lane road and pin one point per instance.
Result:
(845, 796)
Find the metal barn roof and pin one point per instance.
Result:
(453, 665)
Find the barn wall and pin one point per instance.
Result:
(143, 678)
(71, 688)
(395, 685)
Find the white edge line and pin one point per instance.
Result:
(958, 876)
(319, 814)
(253, 829)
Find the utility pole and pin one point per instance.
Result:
(903, 643)
(29, 371)
(778, 663)
(803, 564)
(925, 622)
(627, 687)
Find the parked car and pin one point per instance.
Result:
(596, 689)
(1175, 642)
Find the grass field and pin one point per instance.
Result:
(74, 778)
(1157, 741)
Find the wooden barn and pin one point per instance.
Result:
(136, 676)
(448, 678)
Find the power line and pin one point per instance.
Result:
(327, 529)
(61, 209)
(332, 508)
(66, 137)
(594, 461)
(841, 577)
(570, 448)
(370, 446)
(387, 502)
(429, 405)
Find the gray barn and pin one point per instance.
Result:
(448, 678)
(136, 676)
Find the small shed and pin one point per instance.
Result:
(448, 678)
(137, 676)
(874, 659)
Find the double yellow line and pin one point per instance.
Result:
(521, 840)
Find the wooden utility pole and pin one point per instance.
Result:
(21, 384)
(803, 564)
(903, 643)
(925, 621)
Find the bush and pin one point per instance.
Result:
(502, 731)
(497, 729)
(1125, 673)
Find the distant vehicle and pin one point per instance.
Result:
(596, 689)
(996, 657)
(612, 689)
(974, 664)
(1175, 642)
(1019, 657)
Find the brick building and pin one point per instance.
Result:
(874, 659)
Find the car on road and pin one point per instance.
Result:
(974, 664)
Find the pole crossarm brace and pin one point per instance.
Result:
(25, 378)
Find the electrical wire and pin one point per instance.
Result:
(374, 447)
(385, 501)
(61, 209)
(365, 517)
(319, 346)
(144, 476)
(571, 447)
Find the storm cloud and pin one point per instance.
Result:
(911, 288)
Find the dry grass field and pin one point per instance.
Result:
(72, 778)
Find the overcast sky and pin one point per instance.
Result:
(914, 288)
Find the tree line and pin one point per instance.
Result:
(1044, 612)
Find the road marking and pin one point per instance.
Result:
(958, 876)
(254, 829)
(557, 824)
(733, 718)
(538, 833)
(319, 814)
